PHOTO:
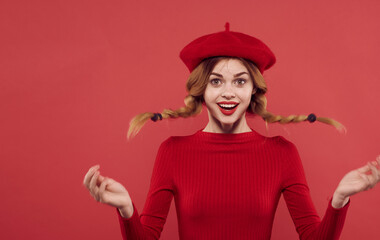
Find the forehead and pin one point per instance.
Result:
(229, 65)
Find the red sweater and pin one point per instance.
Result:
(227, 186)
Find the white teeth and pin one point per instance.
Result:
(227, 105)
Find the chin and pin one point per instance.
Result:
(229, 120)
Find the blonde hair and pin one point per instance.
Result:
(196, 86)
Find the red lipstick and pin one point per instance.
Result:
(227, 110)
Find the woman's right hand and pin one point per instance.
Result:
(108, 191)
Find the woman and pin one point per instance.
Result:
(227, 179)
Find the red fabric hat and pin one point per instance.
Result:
(227, 43)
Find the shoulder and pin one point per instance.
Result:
(174, 146)
(282, 144)
(282, 141)
(176, 141)
(274, 141)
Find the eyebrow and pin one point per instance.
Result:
(236, 75)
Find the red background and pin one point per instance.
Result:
(73, 74)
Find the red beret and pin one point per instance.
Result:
(227, 43)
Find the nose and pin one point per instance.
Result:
(228, 93)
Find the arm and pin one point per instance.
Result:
(297, 196)
(149, 224)
(308, 223)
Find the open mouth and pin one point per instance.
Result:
(227, 108)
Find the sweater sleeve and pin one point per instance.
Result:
(298, 200)
(150, 223)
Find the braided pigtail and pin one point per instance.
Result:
(193, 106)
(260, 109)
(195, 86)
(259, 104)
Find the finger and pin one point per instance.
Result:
(110, 180)
(102, 190)
(370, 177)
(366, 180)
(93, 187)
(375, 163)
(87, 177)
(100, 179)
(364, 169)
(374, 175)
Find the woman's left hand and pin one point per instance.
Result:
(358, 180)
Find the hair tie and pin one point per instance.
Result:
(311, 118)
(156, 116)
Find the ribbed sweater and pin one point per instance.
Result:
(227, 186)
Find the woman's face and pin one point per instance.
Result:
(228, 93)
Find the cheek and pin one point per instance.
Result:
(209, 100)
(245, 96)
(248, 97)
(210, 95)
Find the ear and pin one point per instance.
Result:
(254, 91)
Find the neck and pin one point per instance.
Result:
(216, 126)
